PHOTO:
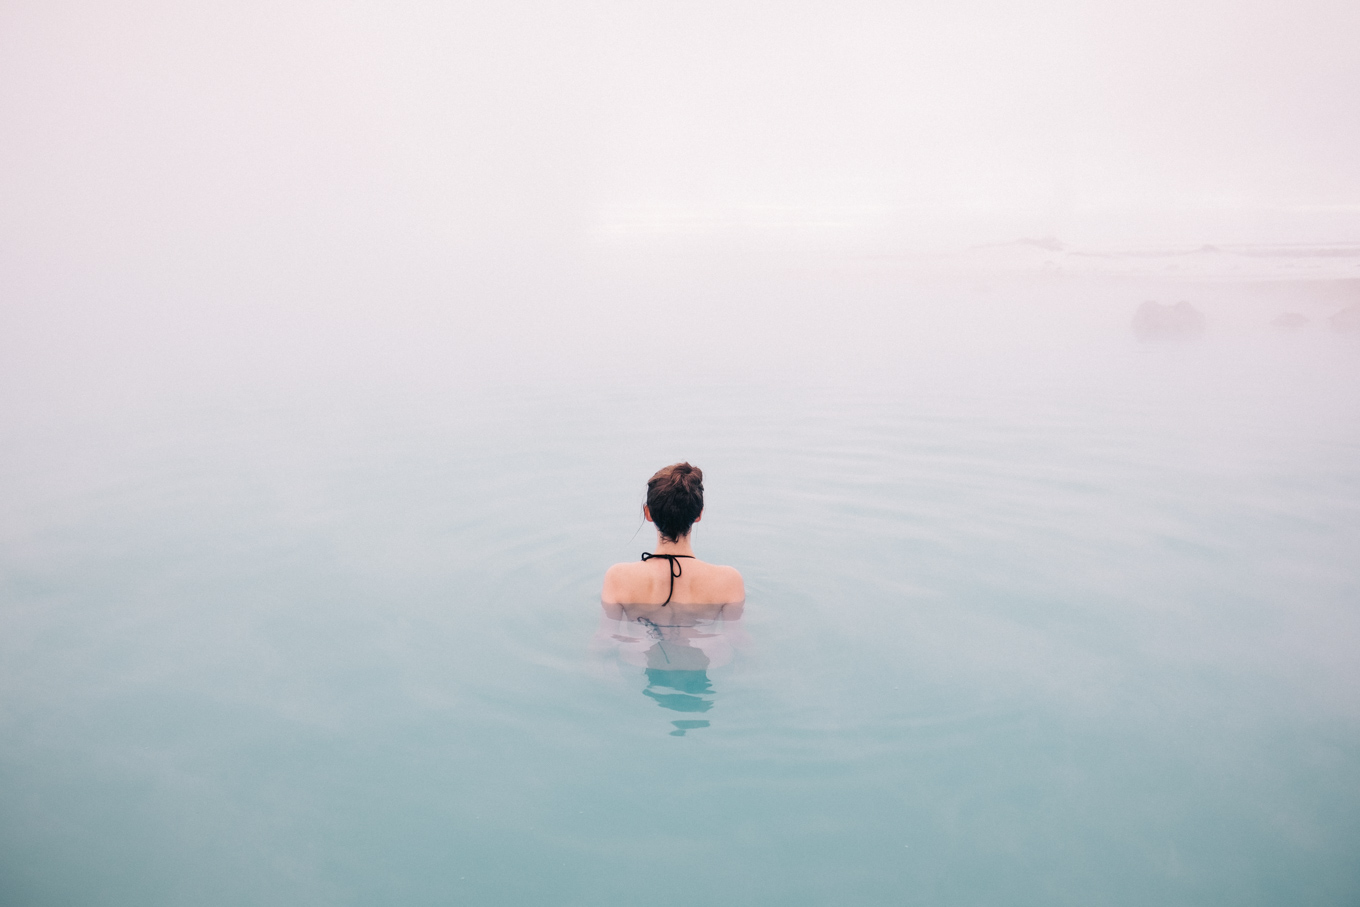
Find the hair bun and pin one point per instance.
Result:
(675, 497)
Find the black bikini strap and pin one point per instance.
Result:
(674, 571)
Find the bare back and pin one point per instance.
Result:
(701, 590)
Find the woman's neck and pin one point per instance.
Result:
(679, 546)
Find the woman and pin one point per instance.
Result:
(671, 613)
(670, 581)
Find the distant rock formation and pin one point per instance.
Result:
(1289, 321)
(1154, 321)
(1347, 321)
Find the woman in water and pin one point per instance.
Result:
(671, 613)
(670, 581)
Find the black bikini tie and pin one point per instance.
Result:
(675, 569)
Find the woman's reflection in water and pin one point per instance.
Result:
(676, 648)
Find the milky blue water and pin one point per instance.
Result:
(1074, 627)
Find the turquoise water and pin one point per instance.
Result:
(1078, 632)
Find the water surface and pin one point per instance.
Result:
(1038, 625)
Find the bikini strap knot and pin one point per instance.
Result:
(675, 570)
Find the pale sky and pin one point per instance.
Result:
(274, 171)
(142, 128)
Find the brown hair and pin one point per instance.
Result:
(675, 497)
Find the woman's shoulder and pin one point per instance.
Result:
(729, 580)
(626, 569)
(618, 580)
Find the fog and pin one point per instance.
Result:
(273, 195)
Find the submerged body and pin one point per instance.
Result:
(696, 645)
(676, 657)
